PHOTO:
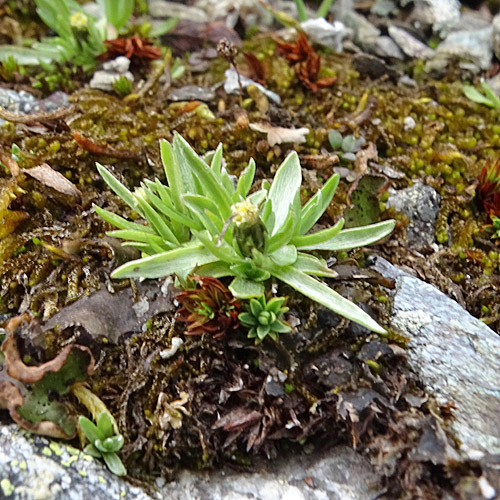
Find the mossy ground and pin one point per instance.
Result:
(326, 360)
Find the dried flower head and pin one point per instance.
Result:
(488, 189)
(208, 307)
(306, 62)
(132, 47)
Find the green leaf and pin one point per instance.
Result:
(113, 443)
(105, 425)
(274, 305)
(91, 450)
(245, 289)
(114, 464)
(316, 206)
(474, 95)
(117, 187)
(280, 327)
(121, 223)
(175, 178)
(157, 243)
(335, 139)
(283, 236)
(285, 186)
(155, 220)
(284, 256)
(91, 431)
(164, 27)
(216, 164)
(223, 252)
(490, 94)
(319, 237)
(256, 307)
(258, 197)
(356, 237)
(180, 222)
(325, 296)
(117, 12)
(201, 204)
(182, 259)
(247, 319)
(25, 56)
(245, 181)
(309, 264)
(215, 269)
(211, 184)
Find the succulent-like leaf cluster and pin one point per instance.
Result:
(202, 221)
(208, 306)
(104, 441)
(263, 318)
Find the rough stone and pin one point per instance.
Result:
(387, 48)
(495, 35)
(456, 358)
(365, 33)
(325, 33)
(409, 44)
(162, 9)
(469, 46)
(231, 85)
(420, 203)
(440, 14)
(34, 468)
(112, 71)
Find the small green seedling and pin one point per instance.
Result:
(489, 98)
(321, 12)
(105, 442)
(345, 147)
(496, 226)
(263, 318)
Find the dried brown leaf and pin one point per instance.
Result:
(280, 135)
(45, 174)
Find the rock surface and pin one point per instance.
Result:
(420, 203)
(31, 467)
(455, 355)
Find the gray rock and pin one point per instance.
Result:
(387, 48)
(112, 71)
(34, 468)
(495, 35)
(456, 357)
(472, 20)
(337, 474)
(409, 44)
(365, 33)
(420, 203)
(325, 33)
(118, 65)
(231, 85)
(24, 102)
(162, 9)
(440, 14)
(384, 8)
(104, 80)
(192, 93)
(469, 46)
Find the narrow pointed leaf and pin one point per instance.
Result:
(245, 289)
(324, 295)
(283, 190)
(355, 237)
(309, 264)
(316, 206)
(318, 237)
(182, 259)
(246, 180)
(117, 187)
(120, 222)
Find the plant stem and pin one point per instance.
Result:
(301, 9)
(324, 8)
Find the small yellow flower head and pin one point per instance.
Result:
(79, 21)
(245, 213)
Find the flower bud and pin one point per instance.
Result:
(249, 230)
